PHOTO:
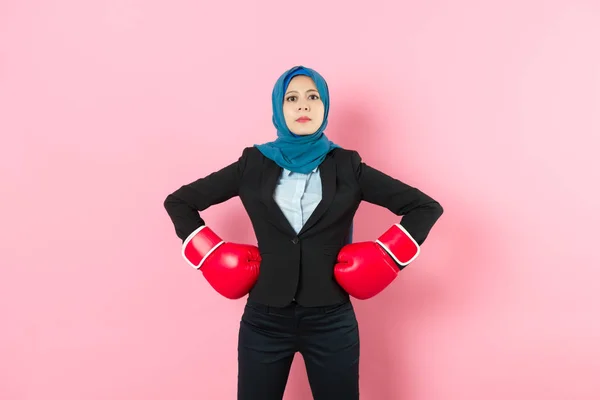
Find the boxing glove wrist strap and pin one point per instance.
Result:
(399, 244)
(199, 245)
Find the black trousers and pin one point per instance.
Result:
(326, 337)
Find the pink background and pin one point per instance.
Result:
(493, 108)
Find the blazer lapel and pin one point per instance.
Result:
(327, 169)
(270, 178)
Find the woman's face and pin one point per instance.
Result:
(303, 108)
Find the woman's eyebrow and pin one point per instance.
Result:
(295, 91)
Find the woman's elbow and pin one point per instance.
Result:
(439, 208)
(169, 202)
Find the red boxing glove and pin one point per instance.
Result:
(231, 269)
(398, 243)
(365, 269)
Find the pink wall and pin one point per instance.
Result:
(107, 106)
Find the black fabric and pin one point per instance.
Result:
(326, 337)
(300, 266)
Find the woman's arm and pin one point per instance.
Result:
(419, 211)
(364, 269)
(184, 205)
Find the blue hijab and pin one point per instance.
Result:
(298, 153)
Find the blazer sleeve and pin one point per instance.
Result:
(419, 211)
(184, 204)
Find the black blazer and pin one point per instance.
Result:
(301, 265)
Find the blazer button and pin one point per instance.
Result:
(295, 240)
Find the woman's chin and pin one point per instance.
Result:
(303, 132)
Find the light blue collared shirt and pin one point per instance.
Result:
(298, 195)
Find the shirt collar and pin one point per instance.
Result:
(287, 172)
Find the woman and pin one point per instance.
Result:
(301, 192)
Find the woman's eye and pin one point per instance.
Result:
(293, 98)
